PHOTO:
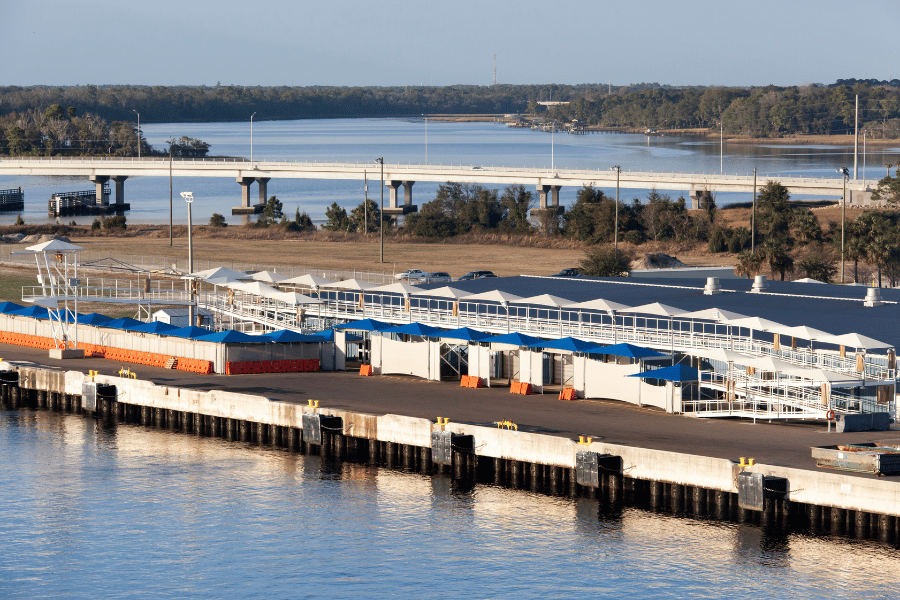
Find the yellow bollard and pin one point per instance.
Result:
(589, 440)
(580, 439)
(752, 462)
(743, 462)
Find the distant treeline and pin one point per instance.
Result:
(769, 111)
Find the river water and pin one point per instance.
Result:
(404, 141)
(93, 511)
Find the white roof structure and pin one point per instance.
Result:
(545, 300)
(55, 246)
(855, 340)
(309, 280)
(349, 284)
(808, 333)
(809, 280)
(217, 272)
(265, 277)
(713, 314)
(256, 287)
(223, 280)
(600, 304)
(294, 299)
(400, 287)
(655, 308)
(442, 292)
(494, 296)
(757, 324)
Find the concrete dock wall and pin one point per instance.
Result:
(816, 488)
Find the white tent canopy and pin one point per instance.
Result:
(309, 280)
(545, 300)
(599, 304)
(441, 292)
(217, 272)
(713, 314)
(55, 246)
(655, 308)
(855, 340)
(396, 288)
(256, 288)
(808, 333)
(349, 284)
(294, 299)
(494, 296)
(265, 277)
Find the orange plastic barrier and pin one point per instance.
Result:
(567, 394)
(474, 382)
(519, 387)
(366, 370)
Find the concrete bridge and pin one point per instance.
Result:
(547, 182)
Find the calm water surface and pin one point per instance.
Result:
(403, 141)
(96, 512)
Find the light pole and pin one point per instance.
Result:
(552, 131)
(617, 169)
(426, 138)
(139, 131)
(189, 198)
(846, 175)
(381, 225)
(251, 136)
(721, 146)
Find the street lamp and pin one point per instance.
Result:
(617, 169)
(251, 136)
(189, 198)
(426, 138)
(846, 175)
(139, 131)
(381, 225)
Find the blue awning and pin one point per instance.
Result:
(123, 323)
(415, 329)
(35, 312)
(514, 339)
(679, 373)
(365, 325)
(95, 319)
(8, 307)
(233, 337)
(286, 336)
(191, 333)
(328, 336)
(628, 350)
(571, 344)
(157, 327)
(465, 334)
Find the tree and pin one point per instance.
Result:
(749, 263)
(779, 260)
(806, 226)
(217, 220)
(273, 212)
(888, 189)
(773, 215)
(366, 213)
(517, 201)
(818, 265)
(303, 222)
(605, 262)
(337, 218)
(187, 147)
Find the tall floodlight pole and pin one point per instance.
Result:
(381, 225)
(846, 175)
(139, 131)
(170, 195)
(753, 217)
(864, 155)
(189, 198)
(426, 139)
(721, 146)
(617, 169)
(251, 136)
(366, 200)
(856, 142)
(552, 131)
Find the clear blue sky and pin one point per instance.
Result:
(368, 42)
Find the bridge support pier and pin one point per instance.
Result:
(246, 208)
(392, 208)
(263, 183)
(120, 189)
(100, 181)
(553, 190)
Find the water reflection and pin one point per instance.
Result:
(124, 510)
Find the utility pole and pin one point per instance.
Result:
(753, 217)
(139, 131)
(170, 196)
(721, 146)
(617, 169)
(856, 143)
(845, 174)
(366, 199)
(495, 68)
(381, 225)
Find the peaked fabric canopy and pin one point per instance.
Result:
(755, 323)
(808, 280)
(8, 307)
(157, 327)
(808, 333)
(713, 314)
(123, 323)
(349, 284)
(265, 277)
(442, 292)
(218, 272)
(545, 300)
(328, 336)
(233, 337)
(655, 308)
(599, 304)
(55, 246)
(191, 333)
(494, 296)
(681, 373)
(222, 280)
(514, 339)
(294, 299)
(286, 336)
(35, 312)
(415, 329)
(401, 287)
(255, 287)
(95, 319)
(365, 325)
(570, 344)
(855, 340)
(308, 280)
(465, 334)
(629, 351)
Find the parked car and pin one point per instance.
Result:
(570, 272)
(410, 274)
(476, 275)
(436, 277)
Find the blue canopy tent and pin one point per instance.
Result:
(233, 337)
(570, 344)
(35, 312)
(415, 329)
(95, 319)
(465, 334)
(123, 323)
(328, 336)
(629, 351)
(675, 373)
(285, 336)
(514, 339)
(157, 327)
(8, 307)
(365, 325)
(190, 333)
